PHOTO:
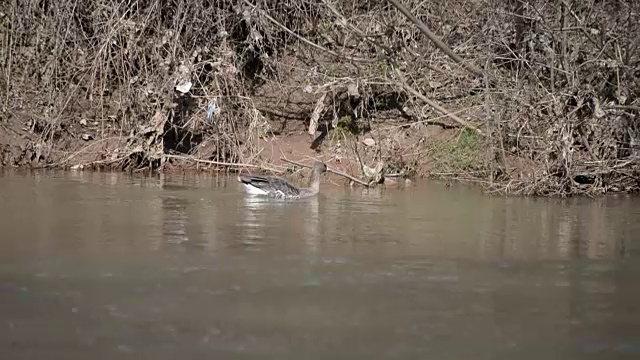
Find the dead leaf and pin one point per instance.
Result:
(369, 142)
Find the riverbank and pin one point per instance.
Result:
(518, 97)
(407, 150)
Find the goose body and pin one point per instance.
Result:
(280, 188)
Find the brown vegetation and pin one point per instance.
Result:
(523, 96)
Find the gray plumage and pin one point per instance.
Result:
(280, 188)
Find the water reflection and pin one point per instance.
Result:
(187, 265)
(294, 220)
(174, 222)
(427, 221)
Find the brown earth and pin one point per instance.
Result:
(83, 139)
(554, 90)
(23, 145)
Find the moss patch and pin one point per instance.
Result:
(461, 154)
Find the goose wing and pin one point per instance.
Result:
(271, 185)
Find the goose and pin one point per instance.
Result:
(280, 188)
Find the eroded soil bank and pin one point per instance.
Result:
(520, 97)
(80, 146)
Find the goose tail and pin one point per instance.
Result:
(251, 184)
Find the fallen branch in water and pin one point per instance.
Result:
(99, 162)
(81, 166)
(220, 163)
(340, 173)
(210, 162)
(82, 150)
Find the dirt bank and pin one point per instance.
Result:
(84, 144)
(521, 97)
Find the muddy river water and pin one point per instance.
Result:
(112, 266)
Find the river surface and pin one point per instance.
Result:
(112, 266)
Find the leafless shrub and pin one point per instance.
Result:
(558, 103)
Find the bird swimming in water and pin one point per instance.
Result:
(280, 188)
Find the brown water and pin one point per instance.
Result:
(105, 266)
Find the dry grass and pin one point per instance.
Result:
(557, 101)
